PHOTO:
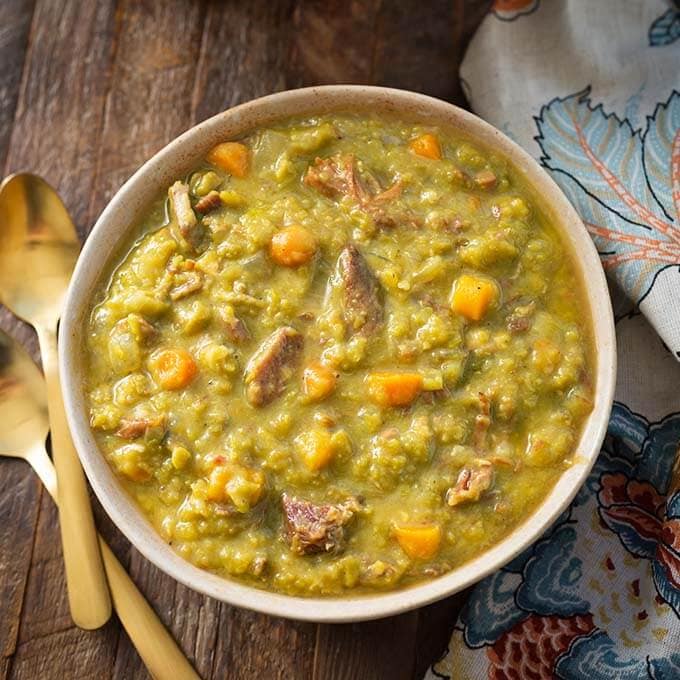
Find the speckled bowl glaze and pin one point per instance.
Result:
(175, 160)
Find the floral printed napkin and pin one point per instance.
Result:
(591, 89)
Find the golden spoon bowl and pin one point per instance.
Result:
(38, 251)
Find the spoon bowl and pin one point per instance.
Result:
(38, 249)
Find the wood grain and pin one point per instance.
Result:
(19, 503)
(59, 113)
(91, 90)
(244, 54)
(15, 21)
(252, 645)
(363, 651)
(334, 42)
(55, 133)
(49, 644)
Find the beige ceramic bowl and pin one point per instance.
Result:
(179, 157)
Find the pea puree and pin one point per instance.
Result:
(345, 354)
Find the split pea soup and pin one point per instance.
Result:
(345, 354)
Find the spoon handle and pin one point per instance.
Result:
(159, 652)
(88, 592)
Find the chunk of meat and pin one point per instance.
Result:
(335, 177)
(486, 179)
(192, 283)
(519, 324)
(362, 295)
(236, 330)
(338, 176)
(472, 482)
(270, 368)
(389, 194)
(520, 319)
(137, 325)
(311, 528)
(133, 428)
(482, 422)
(184, 217)
(211, 201)
(377, 571)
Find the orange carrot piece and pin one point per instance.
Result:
(230, 156)
(419, 541)
(318, 381)
(173, 369)
(292, 246)
(316, 449)
(426, 145)
(394, 389)
(472, 296)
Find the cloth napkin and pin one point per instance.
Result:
(591, 89)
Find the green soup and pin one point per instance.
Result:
(347, 353)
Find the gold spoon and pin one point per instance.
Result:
(38, 250)
(23, 434)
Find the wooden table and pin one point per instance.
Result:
(89, 89)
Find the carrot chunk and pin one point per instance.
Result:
(230, 156)
(394, 389)
(236, 484)
(426, 145)
(419, 541)
(318, 381)
(173, 369)
(472, 296)
(292, 246)
(316, 448)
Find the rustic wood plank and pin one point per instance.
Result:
(149, 100)
(49, 644)
(59, 113)
(334, 42)
(196, 626)
(55, 129)
(244, 54)
(420, 46)
(415, 47)
(252, 645)
(127, 663)
(19, 490)
(74, 649)
(375, 649)
(19, 504)
(15, 21)
(193, 620)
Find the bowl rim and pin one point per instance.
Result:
(116, 223)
